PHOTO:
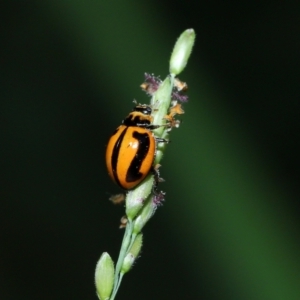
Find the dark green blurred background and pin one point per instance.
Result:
(69, 71)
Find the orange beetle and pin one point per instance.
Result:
(131, 149)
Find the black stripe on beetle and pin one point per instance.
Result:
(133, 173)
(115, 155)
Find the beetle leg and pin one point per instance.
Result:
(152, 127)
(161, 140)
(157, 178)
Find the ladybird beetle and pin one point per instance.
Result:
(131, 149)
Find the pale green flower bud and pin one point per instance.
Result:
(104, 276)
(182, 51)
(132, 254)
(127, 263)
(144, 216)
(136, 198)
